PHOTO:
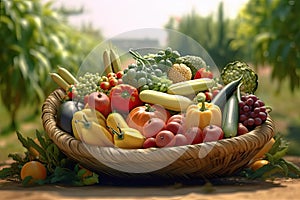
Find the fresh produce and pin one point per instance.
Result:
(106, 61)
(258, 164)
(175, 127)
(194, 135)
(230, 117)
(92, 133)
(67, 76)
(242, 129)
(168, 101)
(65, 115)
(262, 153)
(87, 84)
(193, 62)
(232, 71)
(252, 111)
(90, 115)
(128, 138)
(165, 138)
(150, 71)
(141, 114)
(100, 101)
(190, 87)
(115, 120)
(115, 61)
(150, 142)
(203, 73)
(180, 140)
(152, 127)
(226, 92)
(179, 73)
(202, 115)
(34, 171)
(59, 81)
(212, 133)
(124, 98)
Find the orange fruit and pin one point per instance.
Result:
(34, 169)
(258, 164)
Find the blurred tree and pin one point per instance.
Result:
(35, 39)
(271, 31)
(215, 36)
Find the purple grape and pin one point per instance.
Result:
(253, 114)
(262, 116)
(246, 108)
(243, 117)
(257, 121)
(256, 110)
(249, 102)
(250, 122)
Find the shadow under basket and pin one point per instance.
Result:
(204, 160)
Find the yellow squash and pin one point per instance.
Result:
(92, 133)
(128, 138)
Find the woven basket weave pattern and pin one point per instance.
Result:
(210, 159)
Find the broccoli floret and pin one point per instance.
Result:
(193, 62)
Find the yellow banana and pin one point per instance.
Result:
(59, 81)
(67, 76)
(115, 61)
(168, 101)
(107, 62)
(191, 86)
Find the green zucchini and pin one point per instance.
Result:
(227, 91)
(230, 117)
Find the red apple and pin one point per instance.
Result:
(152, 127)
(212, 133)
(174, 127)
(242, 129)
(176, 118)
(194, 135)
(100, 101)
(165, 139)
(149, 142)
(180, 140)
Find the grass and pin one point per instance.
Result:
(285, 113)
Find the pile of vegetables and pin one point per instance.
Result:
(161, 100)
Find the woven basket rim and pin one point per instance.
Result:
(76, 149)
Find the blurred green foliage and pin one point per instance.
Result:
(271, 32)
(35, 39)
(214, 35)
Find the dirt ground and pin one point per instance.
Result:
(229, 188)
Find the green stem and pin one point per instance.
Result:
(203, 108)
(120, 134)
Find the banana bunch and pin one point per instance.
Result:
(112, 62)
(63, 78)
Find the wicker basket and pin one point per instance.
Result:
(205, 160)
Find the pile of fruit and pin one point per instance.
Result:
(160, 100)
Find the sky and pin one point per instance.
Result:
(114, 17)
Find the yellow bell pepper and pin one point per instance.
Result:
(128, 138)
(202, 115)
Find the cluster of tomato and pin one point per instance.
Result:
(112, 79)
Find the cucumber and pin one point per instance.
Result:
(222, 97)
(230, 117)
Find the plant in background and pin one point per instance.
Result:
(271, 31)
(215, 36)
(37, 39)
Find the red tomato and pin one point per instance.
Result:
(113, 82)
(105, 85)
(203, 73)
(124, 98)
(119, 74)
